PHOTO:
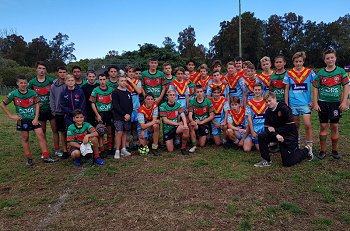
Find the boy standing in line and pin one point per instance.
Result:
(26, 102)
(112, 77)
(298, 92)
(41, 84)
(330, 101)
(87, 89)
(276, 85)
(122, 109)
(233, 81)
(266, 73)
(101, 104)
(56, 90)
(152, 80)
(191, 68)
(76, 72)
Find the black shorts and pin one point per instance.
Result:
(107, 117)
(45, 116)
(330, 112)
(72, 149)
(171, 134)
(26, 125)
(203, 130)
(122, 126)
(60, 124)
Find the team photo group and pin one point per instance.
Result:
(128, 111)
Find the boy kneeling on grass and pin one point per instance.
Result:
(80, 133)
(27, 106)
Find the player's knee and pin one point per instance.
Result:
(156, 127)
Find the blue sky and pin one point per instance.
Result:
(97, 27)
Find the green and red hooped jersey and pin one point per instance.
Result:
(152, 83)
(277, 86)
(171, 112)
(329, 84)
(102, 98)
(42, 89)
(202, 110)
(24, 103)
(76, 134)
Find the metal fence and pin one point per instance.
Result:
(4, 90)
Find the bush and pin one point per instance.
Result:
(8, 75)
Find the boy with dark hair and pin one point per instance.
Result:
(276, 80)
(26, 102)
(56, 90)
(148, 123)
(174, 122)
(279, 127)
(168, 78)
(122, 109)
(152, 80)
(76, 72)
(191, 85)
(191, 68)
(330, 101)
(81, 133)
(112, 77)
(70, 99)
(238, 61)
(101, 104)
(200, 113)
(41, 84)
(87, 89)
(216, 82)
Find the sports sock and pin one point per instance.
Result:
(96, 155)
(45, 155)
(334, 143)
(28, 155)
(323, 143)
(184, 141)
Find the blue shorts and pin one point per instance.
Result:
(215, 131)
(301, 110)
(258, 130)
(134, 116)
(147, 133)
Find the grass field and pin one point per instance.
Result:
(214, 189)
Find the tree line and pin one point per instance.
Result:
(285, 35)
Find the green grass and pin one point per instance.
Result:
(214, 189)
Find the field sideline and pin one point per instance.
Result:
(214, 189)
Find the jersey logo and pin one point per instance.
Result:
(299, 77)
(329, 82)
(42, 90)
(277, 84)
(200, 111)
(299, 87)
(105, 99)
(25, 103)
(153, 82)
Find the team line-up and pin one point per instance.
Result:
(120, 111)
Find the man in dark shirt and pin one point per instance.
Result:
(280, 127)
(122, 109)
(87, 89)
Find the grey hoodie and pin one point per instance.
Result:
(56, 88)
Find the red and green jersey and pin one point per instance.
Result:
(202, 110)
(113, 85)
(166, 82)
(152, 82)
(42, 89)
(195, 77)
(277, 86)
(76, 134)
(329, 84)
(172, 112)
(24, 103)
(102, 98)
